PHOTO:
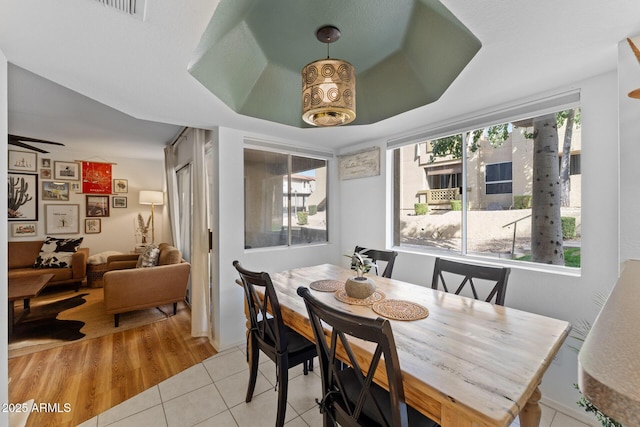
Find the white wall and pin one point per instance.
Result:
(118, 232)
(229, 327)
(4, 130)
(628, 80)
(365, 211)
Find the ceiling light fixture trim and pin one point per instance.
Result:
(328, 87)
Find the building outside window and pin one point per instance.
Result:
(285, 199)
(496, 180)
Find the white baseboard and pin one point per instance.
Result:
(573, 412)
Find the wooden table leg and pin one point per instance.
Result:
(531, 413)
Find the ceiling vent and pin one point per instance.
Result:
(135, 8)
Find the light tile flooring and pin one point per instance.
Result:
(212, 394)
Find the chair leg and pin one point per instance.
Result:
(307, 366)
(283, 381)
(116, 320)
(175, 308)
(327, 421)
(253, 353)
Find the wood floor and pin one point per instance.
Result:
(97, 374)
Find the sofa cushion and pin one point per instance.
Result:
(23, 254)
(149, 258)
(169, 255)
(59, 274)
(57, 253)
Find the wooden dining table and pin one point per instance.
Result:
(468, 363)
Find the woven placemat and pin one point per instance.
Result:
(326, 285)
(341, 295)
(400, 310)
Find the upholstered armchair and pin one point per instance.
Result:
(128, 288)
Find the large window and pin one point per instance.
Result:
(499, 191)
(285, 199)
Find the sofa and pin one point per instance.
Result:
(129, 287)
(22, 256)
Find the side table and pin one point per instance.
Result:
(97, 266)
(94, 274)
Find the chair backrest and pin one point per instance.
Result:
(376, 255)
(464, 274)
(345, 397)
(271, 333)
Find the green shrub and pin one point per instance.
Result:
(313, 209)
(522, 202)
(421, 208)
(303, 218)
(456, 205)
(568, 227)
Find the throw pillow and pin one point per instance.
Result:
(57, 253)
(149, 257)
(101, 258)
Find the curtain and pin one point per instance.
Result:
(201, 301)
(172, 193)
(200, 289)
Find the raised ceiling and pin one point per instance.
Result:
(406, 54)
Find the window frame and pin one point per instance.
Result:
(461, 125)
(290, 152)
(498, 181)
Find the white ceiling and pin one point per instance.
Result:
(102, 60)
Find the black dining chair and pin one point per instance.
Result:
(350, 397)
(376, 255)
(463, 274)
(268, 333)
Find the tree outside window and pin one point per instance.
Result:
(522, 190)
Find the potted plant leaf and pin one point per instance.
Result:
(360, 286)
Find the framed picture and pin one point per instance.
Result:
(52, 190)
(119, 201)
(23, 161)
(120, 186)
(96, 178)
(24, 229)
(45, 173)
(62, 219)
(359, 164)
(97, 206)
(68, 171)
(45, 163)
(22, 203)
(92, 226)
(75, 186)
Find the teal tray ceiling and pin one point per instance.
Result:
(406, 54)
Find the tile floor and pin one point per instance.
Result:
(212, 394)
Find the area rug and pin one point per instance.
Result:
(41, 322)
(60, 317)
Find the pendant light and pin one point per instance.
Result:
(328, 87)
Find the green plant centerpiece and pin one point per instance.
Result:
(360, 286)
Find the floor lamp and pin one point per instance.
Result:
(153, 198)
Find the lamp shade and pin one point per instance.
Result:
(328, 93)
(149, 197)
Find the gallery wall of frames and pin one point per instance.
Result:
(48, 196)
